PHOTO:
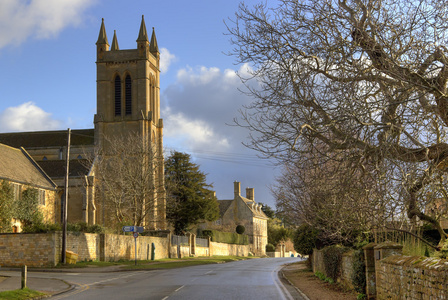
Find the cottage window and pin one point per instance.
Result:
(42, 197)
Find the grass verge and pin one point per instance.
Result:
(167, 263)
(20, 294)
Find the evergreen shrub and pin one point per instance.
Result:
(226, 237)
(270, 248)
(240, 229)
(332, 260)
(359, 271)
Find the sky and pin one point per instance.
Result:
(48, 77)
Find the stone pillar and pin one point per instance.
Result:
(382, 251)
(369, 258)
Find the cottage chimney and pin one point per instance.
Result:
(250, 194)
(237, 188)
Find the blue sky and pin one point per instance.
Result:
(48, 76)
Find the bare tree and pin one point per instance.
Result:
(360, 76)
(127, 170)
(337, 198)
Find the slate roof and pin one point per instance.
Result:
(224, 206)
(43, 139)
(249, 203)
(16, 165)
(56, 168)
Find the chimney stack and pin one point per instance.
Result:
(237, 188)
(250, 194)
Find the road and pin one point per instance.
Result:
(248, 279)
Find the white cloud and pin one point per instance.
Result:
(21, 19)
(27, 117)
(198, 107)
(166, 58)
(194, 134)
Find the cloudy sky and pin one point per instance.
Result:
(48, 76)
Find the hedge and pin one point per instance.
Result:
(226, 237)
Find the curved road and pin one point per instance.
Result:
(248, 279)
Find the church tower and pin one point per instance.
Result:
(128, 102)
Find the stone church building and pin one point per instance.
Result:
(128, 102)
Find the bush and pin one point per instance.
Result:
(270, 248)
(240, 229)
(332, 260)
(226, 237)
(305, 239)
(359, 272)
(41, 228)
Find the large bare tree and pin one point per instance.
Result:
(363, 77)
(129, 171)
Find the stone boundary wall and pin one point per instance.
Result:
(228, 249)
(411, 277)
(274, 254)
(118, 247)
(34, 250)
(202, 251)
(44, 249)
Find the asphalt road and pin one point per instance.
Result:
(249, 279)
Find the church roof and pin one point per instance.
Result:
(56, 168)
(44, 139)
(16, 165)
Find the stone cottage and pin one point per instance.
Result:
(20, 170)
(244, 211)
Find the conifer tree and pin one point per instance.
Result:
(190, 199)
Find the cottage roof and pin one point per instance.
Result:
(16, 165)
(224, 206)
(251, 204)
(45, 139)
(56, 168)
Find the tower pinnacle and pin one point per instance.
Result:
(102, 37)
(143, 35)
(114, 46)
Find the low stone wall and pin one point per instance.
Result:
(274, 254)
(118, 247)
(411, 277)
(318, 262)
(86, 245)
(347, 270)
(202, 251)
(228, 249)
(44, 249)
(18, 249)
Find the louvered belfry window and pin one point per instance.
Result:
(128, 94)
(117, 96)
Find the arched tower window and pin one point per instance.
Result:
(128, 95)
(117, 96)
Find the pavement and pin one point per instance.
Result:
(51, 286)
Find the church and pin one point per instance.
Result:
(128, 105)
